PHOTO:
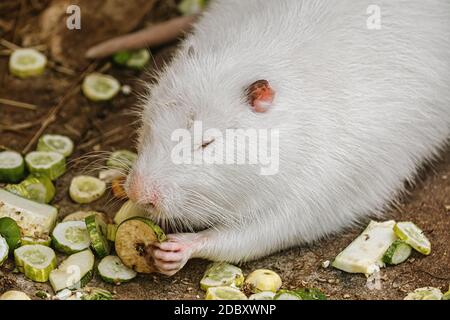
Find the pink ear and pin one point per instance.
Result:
(260, 96)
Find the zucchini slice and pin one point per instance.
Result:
(12, 167)
(46, 241)
(426, 293)
(397, 253)
(111, 230)
(70, 237)
(263, 280)
(412, 235)
(96, 294)
(49, 163)
(109, 175)
(85, 189)
(121, 159)
(224, 293)
(112, 270)
(56, 143)
(14, 295)
(100, 87)
(34, 219)
(263, 295)
(25, 63)
(35, 261)
(132, 238)
(136, 59)
(39, 188)
(18, 190)
(96, 230)
(365, 253)
(10, 231)
(81, 215)
(4, 250)
(220, 274)
(128, 210)
(74, 272)
(310, 294)
(287, 295)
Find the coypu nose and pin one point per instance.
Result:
(139, 190)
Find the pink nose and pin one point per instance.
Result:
(140, 191)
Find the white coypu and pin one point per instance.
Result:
(359, 103)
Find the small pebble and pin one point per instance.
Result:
(326, 264)
(346, 296)
(331, 281)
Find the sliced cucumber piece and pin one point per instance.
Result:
(190, 7)
(446, 295)
(224, 293)
(74, 272)
(99, 243)
(109, 175)
(121, 159)
(100, 87)
(51, 164)
(220, 274)
(365, 253)
(12, 167)
(39, 188)
(71, 237)
(128, 210)
(18, 190)
(81, 215)
(36, 261)
(132, 238)
(47, 241)
(426, 293)
(121, 57)
(96, 294)
(85, 189)
(412, 235)
(397, 253)
(111, 230)
(34, 219)
(263, 280)
(4, 250)
(263, 295)
(310, 294)
(137, 59)
(56, 143)
(25, 63)
(112, 270)
(10, 231)
(287, 295)
(14, 295)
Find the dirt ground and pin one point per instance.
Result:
(101, 127)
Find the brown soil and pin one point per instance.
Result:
(108, 126)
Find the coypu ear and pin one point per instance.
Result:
(260, 96)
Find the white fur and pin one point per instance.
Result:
(359, 110)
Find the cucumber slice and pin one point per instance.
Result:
(412, 235)
(365, 253)
(39, 188)
(47, 241)
(56, 143)
(14, 295)
(426, 293)
(220, 274)
(109, 175)
(51, 164)
(397, 253)
(99, 243)
(34, 219)
(36, 261)
(310, 294)
(128, 210)
(287, 295)
(100, 87)
(263, 295)
(25, 63)
(4, 250)
(81, 215)
(224, 293)
(96, 294)
(263, 280)
(190, 7)
(71, 237)
(12, 167)
(85, 189)
(10, 231)
(111, 230)
(132, 238)
(137, 59)
(112, 270)
(74, 272)
(18, 190)
(121, 57)
(446, 295)
(121, 159)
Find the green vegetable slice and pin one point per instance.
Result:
(70, 237)
(446, 295)
(112, 270)
(35, 261)
(25, 63)
(100, 87)
(99, 243)
(128, 210)
(45, 241)
(51, 164)
(14, 295)
(224, 293)
(221, 274)
(426, 293)
(287, 295)
(111, 230)
(137, 59)
(4, 250)
(121, 159)
(10, 231)
(263, 295)
(18, 190)
(12, 167)
(39, 188)
(81, 215)
(413, 235)
(85, 189)
(96, 294)
(133, 236)
(310, 294)
(190, 7)
(74, 272)
(56, 143)
(397, 253)
(263, 280)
